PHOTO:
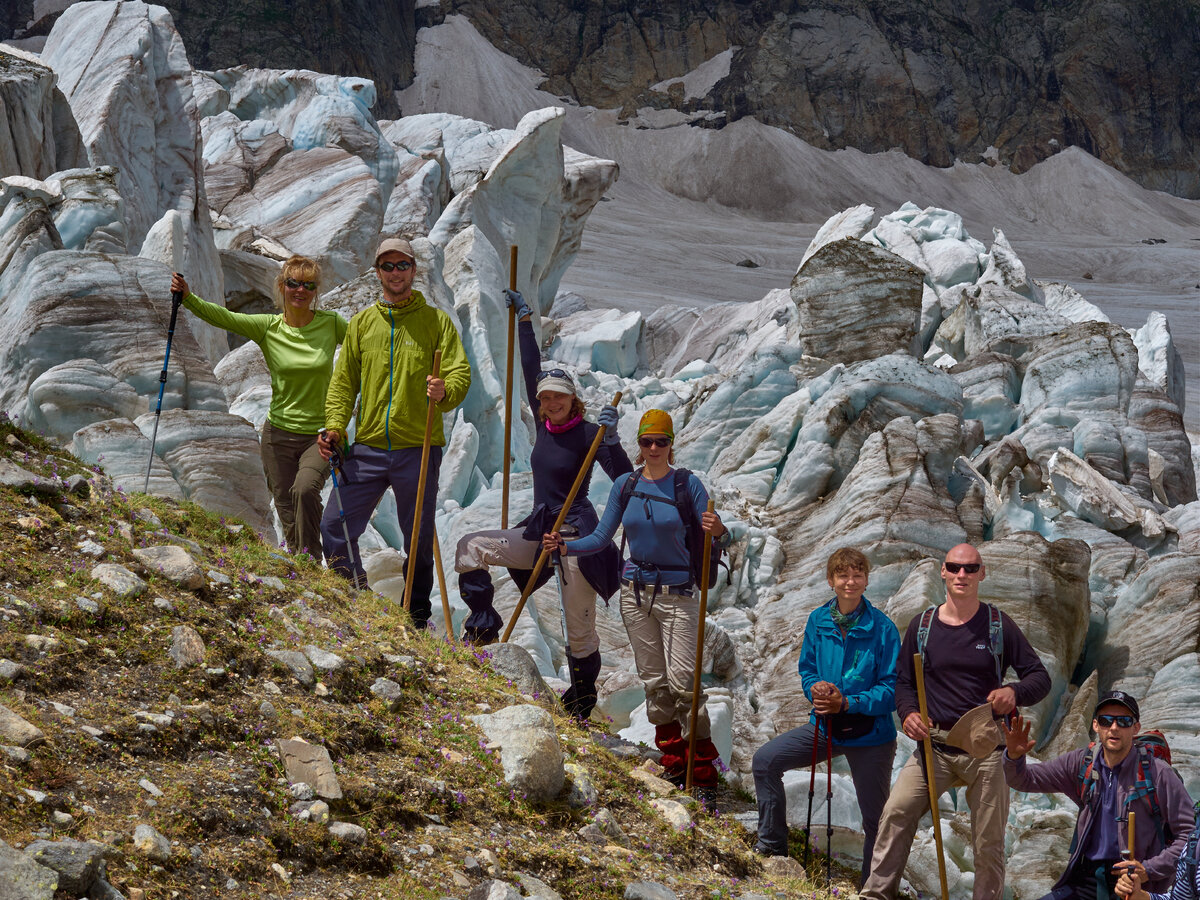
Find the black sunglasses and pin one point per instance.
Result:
(553, 373)
(307, 285)
(1107, 721)
(969, 568)
(645, 442)
(404, 265)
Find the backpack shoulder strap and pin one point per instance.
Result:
(629, 487)
(1144, 787)
(683, 500)
(923, 629)
(1086, 763)
(996, 640)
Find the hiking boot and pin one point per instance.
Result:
(704, 769)
(483, 625)
(580, 698)
(706, 795)
(669, 739)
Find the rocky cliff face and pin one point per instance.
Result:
(940, 80)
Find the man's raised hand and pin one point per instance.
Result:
(1016, 737)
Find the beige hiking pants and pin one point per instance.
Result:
(484, 549)
(663, 636)
(987, 798)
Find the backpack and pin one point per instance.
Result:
(995, 636)
(691, 524)
(1149, 745)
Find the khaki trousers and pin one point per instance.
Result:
(295, 475)
(662, 632)
(987, 798)
(507, 548)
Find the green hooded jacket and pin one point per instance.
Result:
(385, 357)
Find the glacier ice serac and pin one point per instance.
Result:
(912, 388)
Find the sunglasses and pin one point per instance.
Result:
(969, 568)
(552, 373)
(403, 266)
(645, 442)
(1108, 721)
(307, 285)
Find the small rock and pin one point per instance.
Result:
(782, 866)
(164, 604)
(268, 581)
(173, 563)
(387, 690)
(63, 710)
(36, 796)
(297, 663)
(348, 832)
(10, 671)
(529, 750)
(150, 787)
(24, 877)
(218, 577)
(78, 863)
(90, 548)
(42, 643)
(16, 754)
(536, 889)
(319, 812)
(581, 793)
(15, 730)
(91, 607)
(657, 785)
(147, 515)
(118, 579)
(321, 690)
(675, 813)
(61, 819)
(611, 828)
(92, 731)
(472, 867)
(323, 659)
(649, 890)
(79, 485)
(494, 890)
(267, 710)
(301, 791)
(31, 523)
(271, 687)
(155, 720)
(489, 861)
(747, 263)
(187, 647)
(281, 872)
(310, 763)
(592, 834)
(151, 844)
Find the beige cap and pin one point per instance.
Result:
(396, 245)
(562, 385)
(977, 732)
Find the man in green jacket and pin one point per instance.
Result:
(387, 359)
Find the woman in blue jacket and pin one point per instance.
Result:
(848, 668)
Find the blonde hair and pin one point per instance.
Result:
(300, 268)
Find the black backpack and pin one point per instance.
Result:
(687, 513)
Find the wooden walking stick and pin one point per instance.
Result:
(508, 384)
(1127, 853)
(706, 557)
(441, 577)
(416, 531)
(558, 523)
(930, 778)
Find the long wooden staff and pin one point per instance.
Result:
(707, 558)
(416, 530)
(441, 577)
(558, 523)
(508, 384)
(930, 778)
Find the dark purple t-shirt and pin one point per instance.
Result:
(960, 670)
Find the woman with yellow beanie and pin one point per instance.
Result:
(655, 505)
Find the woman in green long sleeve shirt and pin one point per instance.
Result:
(298, 344)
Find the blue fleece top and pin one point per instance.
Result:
(657, 540)
(861, 662)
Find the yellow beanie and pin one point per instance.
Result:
(655, 421)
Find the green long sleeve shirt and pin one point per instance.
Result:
(387, 354)
(300, 360)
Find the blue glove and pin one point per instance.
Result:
(608, 418)
(514, 300)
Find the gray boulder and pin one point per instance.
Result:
(23, 878)
(174, 564)
(529, 749)
(15, 730)
(512, 661)
(76, 862)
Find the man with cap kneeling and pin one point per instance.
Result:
(387, 358)
(1107, 781)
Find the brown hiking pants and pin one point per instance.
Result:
(295, 475)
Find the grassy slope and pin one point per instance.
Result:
(225, 803)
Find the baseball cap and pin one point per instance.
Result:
(398, 245)
(1126, 700)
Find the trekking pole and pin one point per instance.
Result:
(706, 558)
(930, 778)
(828, 800)
(335, 463)
(558, 523)
(508, 384)
(176, 300)
(421, 477)
(1127, 853)
(441, 577)
(812, 789)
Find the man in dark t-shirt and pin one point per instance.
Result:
(960, 674)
